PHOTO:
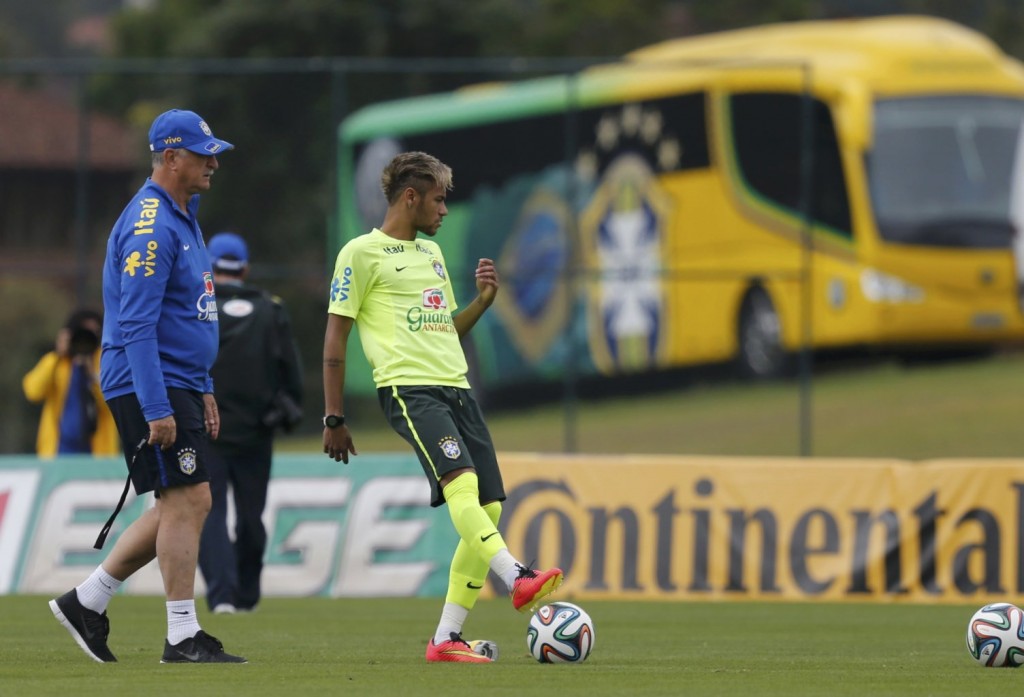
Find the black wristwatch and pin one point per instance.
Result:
(333, 421)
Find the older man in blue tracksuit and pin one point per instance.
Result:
(160, 340)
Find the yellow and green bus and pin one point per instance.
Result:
(729, 197)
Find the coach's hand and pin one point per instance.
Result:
(211, 415)
(338, 443)
(163, 432)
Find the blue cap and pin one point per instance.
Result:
(228, 252)
(184, 129)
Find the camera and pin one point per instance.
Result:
(84, 341)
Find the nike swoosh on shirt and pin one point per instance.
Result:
(186, 247)
(484, 538)
(401, 268)
(469, 584)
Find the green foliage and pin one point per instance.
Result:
(320, 646)
(1004, 23)
(730, 14)
(145, 33)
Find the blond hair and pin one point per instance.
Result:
(419, 170)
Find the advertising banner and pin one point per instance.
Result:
(645, 527)
(336, 530)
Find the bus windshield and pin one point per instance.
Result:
(940, 170)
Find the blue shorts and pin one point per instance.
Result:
(183, 463)
(446, 428)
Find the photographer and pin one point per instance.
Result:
(75, 418)
(257, 382)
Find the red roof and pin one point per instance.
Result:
(40, 131)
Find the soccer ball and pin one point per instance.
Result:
(995, 635)
(560, 633)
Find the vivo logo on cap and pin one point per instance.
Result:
(171, 140)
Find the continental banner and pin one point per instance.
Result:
(646, 527)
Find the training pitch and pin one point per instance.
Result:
(320, 646)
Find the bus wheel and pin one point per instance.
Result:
(760, 354)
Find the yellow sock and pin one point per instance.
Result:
(469, 570)
(474, 526)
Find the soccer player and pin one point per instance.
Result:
(396, 288)
(159, 342)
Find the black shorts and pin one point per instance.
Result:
(446, 428)
(183, 463)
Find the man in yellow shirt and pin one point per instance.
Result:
(75, 418)
(397, 289)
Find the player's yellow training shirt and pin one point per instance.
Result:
(401, 299)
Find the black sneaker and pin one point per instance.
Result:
(202, 648)
(89, 628)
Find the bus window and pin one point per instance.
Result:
(766, 131)
(940, 170)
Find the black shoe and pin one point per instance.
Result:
(89, 628)
(202, 648)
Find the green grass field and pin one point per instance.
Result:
(320, 646)
(375, 647)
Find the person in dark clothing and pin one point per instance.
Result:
(257, 382)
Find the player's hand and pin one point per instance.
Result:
(487, 280)
(338, 443)
(163, 432)
(211, 416)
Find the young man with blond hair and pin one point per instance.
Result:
(396, 288)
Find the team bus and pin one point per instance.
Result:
(729, 197)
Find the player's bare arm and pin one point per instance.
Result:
(337, 440)
(487, 283)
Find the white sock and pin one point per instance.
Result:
(96, 591)
(453, 616)
(182, 622)
(506, 567)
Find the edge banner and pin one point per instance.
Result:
(646, 527)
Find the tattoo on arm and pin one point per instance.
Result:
(334, 362)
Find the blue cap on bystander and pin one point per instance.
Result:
(228, 252)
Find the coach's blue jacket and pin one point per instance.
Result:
(160, 312)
